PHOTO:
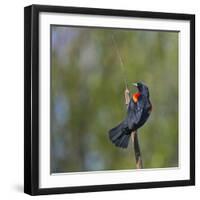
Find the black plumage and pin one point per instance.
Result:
(137, 114)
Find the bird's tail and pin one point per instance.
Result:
(120, 135)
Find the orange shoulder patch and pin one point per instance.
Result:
(136, 97)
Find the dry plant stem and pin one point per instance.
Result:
(127, 97)
(136, 145)
(134, 136)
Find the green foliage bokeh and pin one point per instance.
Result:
(87, 97)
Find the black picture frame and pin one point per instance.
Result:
(31, 98)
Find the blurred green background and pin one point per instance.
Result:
(87, 97)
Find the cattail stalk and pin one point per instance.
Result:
(134, 136)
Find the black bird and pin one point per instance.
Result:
(139, 109)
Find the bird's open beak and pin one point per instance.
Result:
(135, 84)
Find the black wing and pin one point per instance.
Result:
(135, 112)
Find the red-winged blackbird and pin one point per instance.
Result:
(139, 109)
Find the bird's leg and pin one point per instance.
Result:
(136, 145)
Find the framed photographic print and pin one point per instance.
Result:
(109, 99)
